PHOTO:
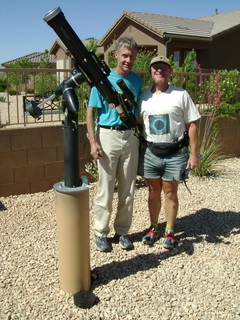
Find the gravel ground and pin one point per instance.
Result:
(197, 280)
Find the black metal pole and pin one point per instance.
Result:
(71, 152)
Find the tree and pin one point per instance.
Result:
(16, 79)
(45, 82)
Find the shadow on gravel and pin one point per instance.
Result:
(122, 269)
(2, 206)
(204, 225)
(208, 225)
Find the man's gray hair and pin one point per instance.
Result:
(126, 42)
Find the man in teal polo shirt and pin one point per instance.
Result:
(116, 148)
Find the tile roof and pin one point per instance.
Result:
(163, 25)
(172, 25)
(59, 44)
(223, 21)
(36, 56)
(33, 57)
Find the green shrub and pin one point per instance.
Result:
(45, 82)
(230, 86)
(2, 99)
(83, 93)
(18, 78)
(92, 169)
(185, 81)
(228, 109)
(3, 83)
(13, 92)
(30, 90)
(209, 158)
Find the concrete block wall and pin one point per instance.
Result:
(31, 159)
(228, 135)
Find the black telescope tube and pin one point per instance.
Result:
(84, 60)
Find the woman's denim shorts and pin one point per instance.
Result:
(169, 168)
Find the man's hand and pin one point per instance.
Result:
(96, 151)
(193, 161)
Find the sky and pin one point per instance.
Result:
(23, 30)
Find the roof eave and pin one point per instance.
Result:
(126, 15)
(109, 31)
(225, 32)
(186, 37)
(56, 45)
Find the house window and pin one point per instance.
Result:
(176, 56)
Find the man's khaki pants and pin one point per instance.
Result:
(119, 162)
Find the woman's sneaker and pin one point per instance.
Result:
(102, 244)
(169, 241)
(151, 236)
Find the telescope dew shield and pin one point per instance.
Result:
(56, 20)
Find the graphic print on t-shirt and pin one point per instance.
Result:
(159, 124)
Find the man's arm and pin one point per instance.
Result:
(193, 141)
(96, 150)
